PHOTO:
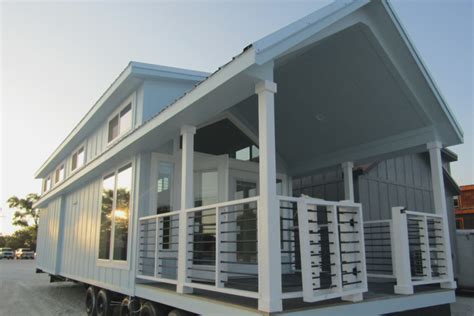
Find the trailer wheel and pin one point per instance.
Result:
(151, 309)
(178, 312)
(91, 301)
(103, 307)
(129, 306)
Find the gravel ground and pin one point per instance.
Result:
(23, 292)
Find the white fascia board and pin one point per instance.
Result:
(277, 43)
(159, 71)
(238, 65)
(424, 70)
(133, 69)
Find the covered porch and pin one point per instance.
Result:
(330, 95)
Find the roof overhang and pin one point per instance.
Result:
(127, 82)
(235, 82)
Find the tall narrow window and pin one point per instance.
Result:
(120, 123)
(122, 212)
(164, 198)
(47, 184)
(78, 158)
(108, 185)
(115, 214)
(59, 174)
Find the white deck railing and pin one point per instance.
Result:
(331, 248)
(322, 248)
(409, 248)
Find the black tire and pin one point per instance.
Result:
(151, 309)
(91, 301)
(178, 312)
(129, 307)
(103, 307)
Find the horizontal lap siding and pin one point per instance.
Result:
(80, 248)
(48, 229)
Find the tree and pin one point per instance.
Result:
(25, 210)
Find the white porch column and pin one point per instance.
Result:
(439, 196)
(349, 195)
(348, 180)
(269, 254)
(187, 201)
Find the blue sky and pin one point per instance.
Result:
(57, 58)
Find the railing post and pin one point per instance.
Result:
(401, 250)
(187, 197)
(269, 254)
(439, 197)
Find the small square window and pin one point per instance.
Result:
(120, 123)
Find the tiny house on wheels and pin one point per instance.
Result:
(174, 194)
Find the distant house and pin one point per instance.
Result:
(464, 208)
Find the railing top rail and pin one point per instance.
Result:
(223, 204)
(317, 201)
(423, 214)
(158, 215)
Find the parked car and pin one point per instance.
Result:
(24, 253)
(6, 253)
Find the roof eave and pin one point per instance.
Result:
(133, 69)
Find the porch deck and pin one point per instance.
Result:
(379, 298)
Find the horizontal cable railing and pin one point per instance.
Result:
(419, 249)
(378, 248)
(223, 255)
(158, 247)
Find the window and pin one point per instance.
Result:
(164, 198)
(120, 123)
(47, 184)
(59, 174)
(115, 214)
(456, 201)
(78, 158)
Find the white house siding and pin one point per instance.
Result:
(48, 233)
(80, 245)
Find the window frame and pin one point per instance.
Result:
(83, 145)
(111, 263)
(45, 183)
(128, 101)
(63, 165)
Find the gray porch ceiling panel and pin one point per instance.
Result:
(339, 94)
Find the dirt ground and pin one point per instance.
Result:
(23, 292)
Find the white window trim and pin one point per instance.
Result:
(111, 263)
(130, 100)
(72, 171)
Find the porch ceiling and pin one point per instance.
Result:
(340, 93)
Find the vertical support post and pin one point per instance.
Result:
(401, 251)
(348, 180)
(187, 197)
(439, 197)
(269, 254)
(349, 195)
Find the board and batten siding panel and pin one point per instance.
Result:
(48, 229)
(402, 181)
(80, 250)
